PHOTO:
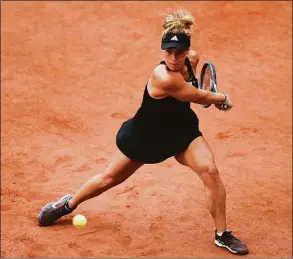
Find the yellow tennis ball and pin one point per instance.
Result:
(79, 221)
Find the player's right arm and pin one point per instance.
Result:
(173, 84)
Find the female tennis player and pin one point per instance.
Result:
(164, 126)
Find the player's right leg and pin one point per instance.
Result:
(120, 168)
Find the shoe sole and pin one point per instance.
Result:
(232, 251)
(49, 204)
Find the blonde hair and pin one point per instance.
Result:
(178, 22)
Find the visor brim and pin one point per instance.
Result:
(176, 45)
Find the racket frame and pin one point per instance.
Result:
(214, 88)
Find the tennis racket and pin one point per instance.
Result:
(208, 81)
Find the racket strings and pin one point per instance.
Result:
(207, 80)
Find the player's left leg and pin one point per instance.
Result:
(199, 157)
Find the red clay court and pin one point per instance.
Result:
(72, 72)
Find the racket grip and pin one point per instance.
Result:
(225, 106)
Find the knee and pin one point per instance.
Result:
(208, 169)
(209, 174)
(110, 181)
(107, 181)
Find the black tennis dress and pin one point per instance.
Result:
(161, 128)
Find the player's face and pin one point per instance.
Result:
(174, 58)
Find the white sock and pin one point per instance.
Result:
(220, 233)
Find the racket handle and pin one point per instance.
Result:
(225, 106)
